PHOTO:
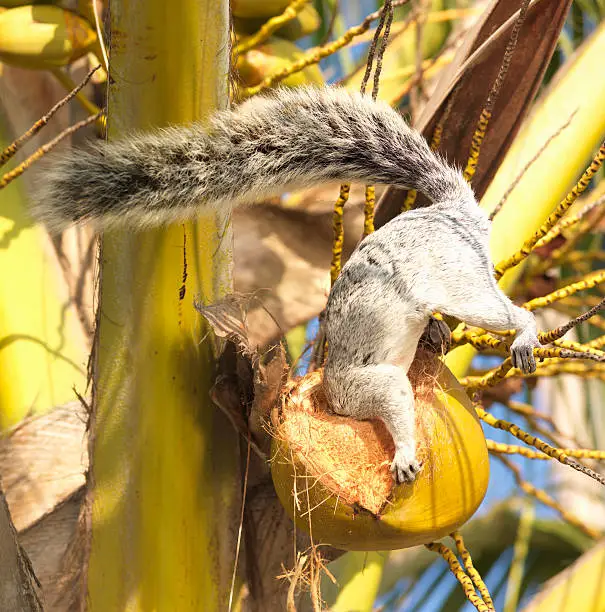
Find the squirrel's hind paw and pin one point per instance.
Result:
(405, 466)
(522, 354)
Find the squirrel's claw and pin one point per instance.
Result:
(522, 355)
(436, 337)
(405, 466)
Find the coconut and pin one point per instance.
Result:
(272, 56)
(332, 473)
(43, 37)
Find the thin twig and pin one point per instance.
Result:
(554, 217)
(566, 353)
(515, 449)
(372, 51)
(403, 26)
(508, 56)
(586, 282)
(291, 599)
(315, 55)
(553, 452)
(559, 332)
(69, 84)
(532, 416)
(241, 523)
(386, 19)
(528, 165)
(444, 56)
(546, 499)
(570, 220)
(36, 127)
(416, 89)
(561, 254)
(388, 9)
(43, 150)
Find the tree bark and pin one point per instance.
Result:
(17, 579)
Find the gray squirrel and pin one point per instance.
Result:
(432, 259)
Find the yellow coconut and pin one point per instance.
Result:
(332, 473)
(305, 22)
(272, 56)
(43, 37)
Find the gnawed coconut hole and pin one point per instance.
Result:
(351, 458)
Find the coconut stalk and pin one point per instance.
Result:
(401, 57)
(165, 476)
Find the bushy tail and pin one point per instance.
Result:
(287, 140)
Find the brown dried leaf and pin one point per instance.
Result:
(56, 546)
(42, 464)
(282, 260)
(42, 461)
(228, 320)
(469, 79)
(248, 383)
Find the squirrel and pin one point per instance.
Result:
(431, 259)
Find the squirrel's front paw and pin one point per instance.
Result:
(522, 354)
(405, 466)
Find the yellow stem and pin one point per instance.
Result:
(271, 26)
(515, 449)
(338, 228)
(368, 211)
(471, 571)
(529, 245)
(456, 569)
(589, 281)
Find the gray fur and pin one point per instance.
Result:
(291, 139)
(427, 260)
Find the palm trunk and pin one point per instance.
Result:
(165, 474)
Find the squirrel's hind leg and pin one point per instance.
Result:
(380, 391)
(489, 308)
